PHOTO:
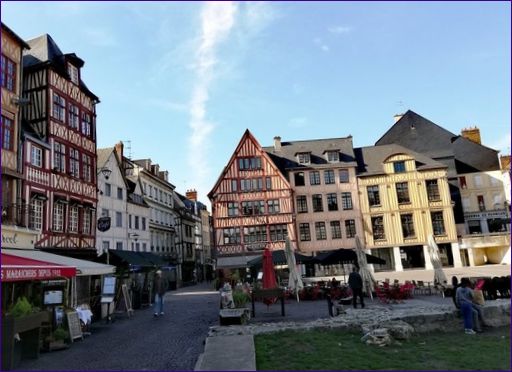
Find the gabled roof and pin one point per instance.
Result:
(286, 157)
(370, 159)
(44, 50)
(421, 135)
(15, 36)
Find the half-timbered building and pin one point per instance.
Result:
(15, 231)
(252, 206)
(60, 162)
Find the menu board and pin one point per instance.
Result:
(74, 326)
(109, 285)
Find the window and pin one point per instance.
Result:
(335, 230)
(161, 196)
(120, 193)
(74, 162)
(373, 195)
(314, 178)
(251, 184)
(407, 225)
(474, 227)
(321, 234)
(129, 221)
(106, 245)
(59, 107)
(74, 116)
(73, 73)
(73, 219)
(304, 158)
(232, 209)
(86, 222)
(350, 228)
(59, 157)
(332, 202)
(466, 204)
(437, 223)
(329, 177)
(496, 225)
(273, 206)
(253, 207)
(143, 223)
(268, 182)
(119, 246)
(432, 190)
(119, 219)
(399, 166)
(402, 192)
(108, 189)
(234, 185)
(302, 204)
(36, 214)
(253, 234)
(86, 168)
(462, 182)
(86, 124)
(333, 156)
(249, 163)
(378, 228)
(317, 203)
(481, 203)
(478, 180)
(278, 232)
(346, 200)
(299, 179)
(304, 232)
(344, 177)
(104, 212)
(495, 181)
(8, 74)
(137, 223)
(7, 134)
(150, 191)
(36, 156)
(232, 235)
(58, 216)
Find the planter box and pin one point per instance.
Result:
(28, 322)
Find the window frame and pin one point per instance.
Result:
(317, 202)
(378, 231)
(9, 72)
(436, 223)
(407, 224)
(399, 166)
(332, 202)
(304, 232)
(36, 156)
(320, 230)
(329, 177)
(342, 173)
(302, 203)
(346, 201)
(7, 133)
(402, 192)
(58, 107)
(335, 230)
(350, 228)
(314, 178)
(373, 193)
(433, 190)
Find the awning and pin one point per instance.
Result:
(279, 258)
(342, 255)
(16, 268)
(139, 259)
(83, 267)
(233, 262)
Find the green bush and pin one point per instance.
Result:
(21, 308)
(60, 334)
(240, 298)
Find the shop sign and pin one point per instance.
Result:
(17, 239)
(103, 224)
(15, 274)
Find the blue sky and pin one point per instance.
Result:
(182, 81)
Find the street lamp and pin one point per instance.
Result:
(106, 172)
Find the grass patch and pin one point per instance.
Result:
(343, 350)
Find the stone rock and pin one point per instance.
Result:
(399, 330)
(378, 337)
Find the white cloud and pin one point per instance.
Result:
(298, 122)
(217, 21)
(338, 30)
(168, 105)
(323, 46)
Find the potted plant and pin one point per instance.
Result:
(240, 298)
(57, 340)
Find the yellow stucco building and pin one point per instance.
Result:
(404, 198)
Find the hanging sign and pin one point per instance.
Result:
(103, 224)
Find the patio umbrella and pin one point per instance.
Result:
(433, 251)
(294, 280)
(364, 270)
(269, 275)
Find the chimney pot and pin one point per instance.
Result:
(277, 143)
(472, 134)
(398, 117)
(119, 147)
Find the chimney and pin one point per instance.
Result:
(191, 195)
(155, 169)
(398, 117)
(472, 134)
(277, 143)
(505, 162)
(119, 150)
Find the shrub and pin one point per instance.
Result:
(21, 308)
(240, 298)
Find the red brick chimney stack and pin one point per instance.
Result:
(191, 194)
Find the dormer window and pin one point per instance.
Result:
(304, 158)
(73, 73)
(399, 166)
(333, 156)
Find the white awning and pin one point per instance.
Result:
(83, 267)
(233, 262)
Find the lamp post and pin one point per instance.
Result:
(103, 223)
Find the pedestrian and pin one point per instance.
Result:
(159, 286)
(464, 299)
(355, 283)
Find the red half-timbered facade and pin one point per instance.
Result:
(60, 148)
(252, 204)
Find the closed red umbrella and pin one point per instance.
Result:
(269, 275)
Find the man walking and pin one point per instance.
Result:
(355, 283)
(160, 286)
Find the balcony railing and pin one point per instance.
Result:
(483, 241)
(15, 214)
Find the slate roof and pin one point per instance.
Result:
(370, 159)
(458, 153)
(44, 50)
(286, 158)
(103, 155)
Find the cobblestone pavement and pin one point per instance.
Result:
(171, 342)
